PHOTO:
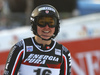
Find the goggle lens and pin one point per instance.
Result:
(50, 21)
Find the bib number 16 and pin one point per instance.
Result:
(44, 72)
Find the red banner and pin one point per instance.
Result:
(85, 56)
(3, 58)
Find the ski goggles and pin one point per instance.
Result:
(50, 21)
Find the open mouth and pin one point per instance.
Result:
(45, 31)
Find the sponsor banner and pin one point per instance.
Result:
(85, 56)
(79, 28)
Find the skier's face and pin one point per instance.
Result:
(46, 31)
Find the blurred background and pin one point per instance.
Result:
(79, 30)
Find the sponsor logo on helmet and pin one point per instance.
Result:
(46, 8)
(46, 11)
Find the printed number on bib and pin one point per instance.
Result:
(44, 72)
